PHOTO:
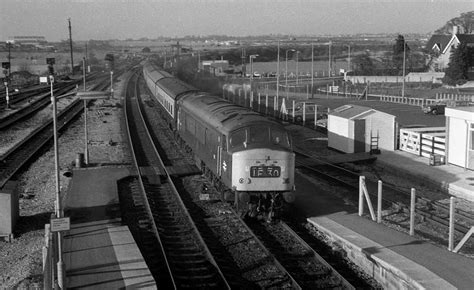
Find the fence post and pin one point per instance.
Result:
(259, 102)
(451, 224)
(361, 195)
(293, 111)
(251, 100)
(412, 212)
(275, 113)
(266, 104)
(245, 98)
(379, 201)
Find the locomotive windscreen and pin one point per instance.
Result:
(259, 136)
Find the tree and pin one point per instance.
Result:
(465, 21)
(363, 64)
(459, 62)
(397, 57)
(146, 50)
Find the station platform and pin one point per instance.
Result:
(453, 179)
(398, 259)
(395, 259)
(99, 252)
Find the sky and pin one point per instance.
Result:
(122, 19)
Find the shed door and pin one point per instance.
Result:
(359, 135)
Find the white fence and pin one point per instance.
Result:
(423, 141)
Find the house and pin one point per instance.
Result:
(460, 136)
(216, 67)
(441, 46)
(354, 129)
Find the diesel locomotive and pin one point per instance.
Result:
(248, 155)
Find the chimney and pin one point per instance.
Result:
(455, 29)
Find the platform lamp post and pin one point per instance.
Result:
(403, 81)
(312, 70)
(84, 72)
(109, 62)
(286, 71)
(329, 60)
(278, 72)
(251, 57)
(297, 73)
(59, 212)
(6, 70)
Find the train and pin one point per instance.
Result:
(249, 156)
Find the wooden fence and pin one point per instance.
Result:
(424, 141)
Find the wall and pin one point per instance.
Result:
(339, 134)
(384, 124)
(457, 141)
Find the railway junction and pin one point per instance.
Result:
(102, 249)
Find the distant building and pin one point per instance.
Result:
(28, 40)
(441, 46)
(215, 67)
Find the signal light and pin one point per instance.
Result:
(51, 69)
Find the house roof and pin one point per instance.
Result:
(355, 112)
(351, 111)
(465, 38)
(442, 41)
(439, 40)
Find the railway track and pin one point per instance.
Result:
(305, 265)
(257, 263)
(38, 99)
(189, 263)
(431, 211)
(17, 156)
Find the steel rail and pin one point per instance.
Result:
(189, 221)
(12, 160)
(317, 257)
(141, 183)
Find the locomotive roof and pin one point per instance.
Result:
(220, 113)
(174, 87)
(154, 72)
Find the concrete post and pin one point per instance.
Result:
(379, 201)
(451, 224)
(412, 212)
(361, 195)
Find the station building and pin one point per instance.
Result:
(355, 129)
(460, 136)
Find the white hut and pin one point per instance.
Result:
(354, 129)
(460, 136)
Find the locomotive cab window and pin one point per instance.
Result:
(258, 135)
(280, 137)
(224, 142)
(238, 138)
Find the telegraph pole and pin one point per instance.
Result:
(9, 44)
(70, 45)
(243, 56)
